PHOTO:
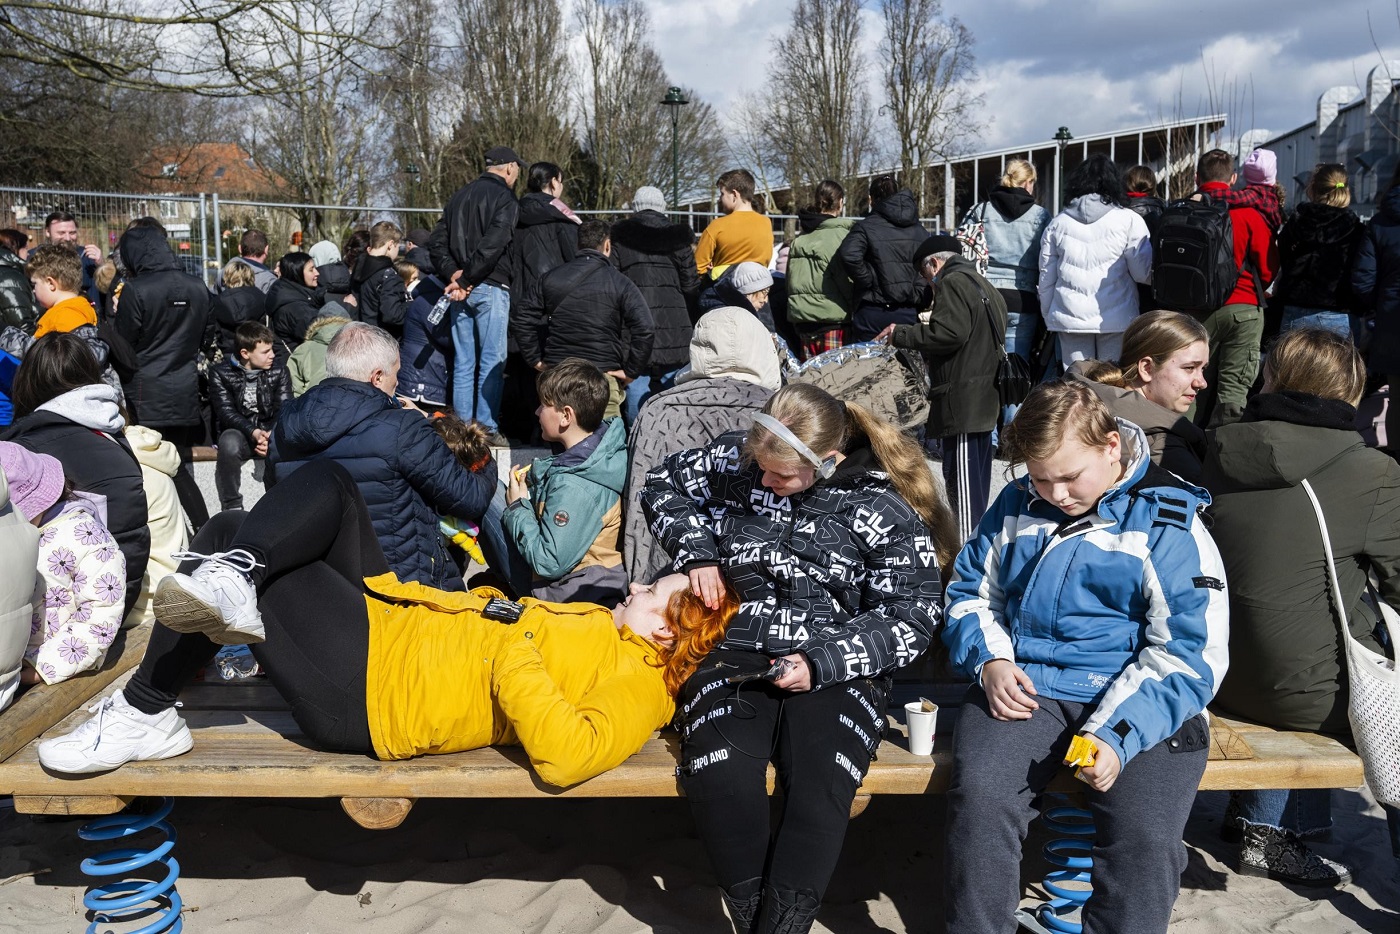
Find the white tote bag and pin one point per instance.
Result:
(1374, 710)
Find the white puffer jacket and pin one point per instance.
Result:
(19, 562)
(1093, 255)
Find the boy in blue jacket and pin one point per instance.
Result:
(564, 513)
(1091, 604)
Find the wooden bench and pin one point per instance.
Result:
(247, 745)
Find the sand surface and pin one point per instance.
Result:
(611, 867)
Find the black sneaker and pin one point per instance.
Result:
(497, 440)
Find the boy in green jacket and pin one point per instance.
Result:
(564, 513)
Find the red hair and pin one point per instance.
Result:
(698, 630)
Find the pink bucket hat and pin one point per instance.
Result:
(35, 480)
(1260, 168)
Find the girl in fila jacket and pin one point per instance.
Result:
(1090, 603)
(825, 521)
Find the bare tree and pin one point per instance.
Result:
(626, 135)
(424, 100)
(928, 66)
(514, 80)
(751, 143)
(220, 48)
(822, 119)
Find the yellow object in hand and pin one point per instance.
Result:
(1082, 751)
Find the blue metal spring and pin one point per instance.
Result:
(125, 900)
(1071, 853)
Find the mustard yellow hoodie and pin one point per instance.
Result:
(579, 694)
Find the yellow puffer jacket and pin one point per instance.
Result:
(579, 694)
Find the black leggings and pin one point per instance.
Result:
(821, 744)
(313, 534)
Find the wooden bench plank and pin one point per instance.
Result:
(39, 707)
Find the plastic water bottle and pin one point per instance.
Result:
(236, 663)
(438, 311)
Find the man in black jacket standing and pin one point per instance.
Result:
(164, 314)
(586, 308)
(659, 258)
(468, 247)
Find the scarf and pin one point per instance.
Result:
(1262, 198)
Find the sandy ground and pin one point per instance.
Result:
(609, 867)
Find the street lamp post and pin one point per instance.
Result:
(1062, 136)
(675, 99)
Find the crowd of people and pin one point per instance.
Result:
(772, 554)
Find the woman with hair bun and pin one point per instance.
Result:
(1154, 384)
(1283, 626)
(826, 522)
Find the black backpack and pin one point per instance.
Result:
(1193, 256)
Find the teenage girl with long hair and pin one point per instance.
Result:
(826, 522)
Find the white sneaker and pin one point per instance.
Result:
(118, 734)
(217, 599)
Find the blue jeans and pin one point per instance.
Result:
(1296, 317)
(643, 386)
(479, 345)
(500, 552)
(1301, 810)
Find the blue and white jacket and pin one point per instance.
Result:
(1124, 608)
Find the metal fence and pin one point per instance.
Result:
(204, 228)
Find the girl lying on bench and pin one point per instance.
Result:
(375, 666)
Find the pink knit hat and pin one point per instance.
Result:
(35, 480)
(1260, 168)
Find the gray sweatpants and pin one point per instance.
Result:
(999, 766)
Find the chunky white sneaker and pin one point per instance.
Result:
(117, 734)
(217, 599)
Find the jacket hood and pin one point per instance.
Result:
(1011, 203)
(143, 250)
(365, 268)
(605, 464)
(537, 208)
(10, 259)
(323, 329)
(1324, 223)
(152, 450)
(731, 342)
(335, 278)
(94, 406)
(325, 413)
(1131, 405)
(899, 209)
(1089, 208)
(1282, 439)
(323, 253)
(650, 232)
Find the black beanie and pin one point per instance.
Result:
(938, 243)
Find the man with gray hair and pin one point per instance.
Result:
(960, 336)
(404, 470)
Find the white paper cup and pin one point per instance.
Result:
(921, 727)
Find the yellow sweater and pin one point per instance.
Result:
(741, 237)
(564, 682)
(67, 315)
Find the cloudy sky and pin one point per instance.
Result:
(1094, 65)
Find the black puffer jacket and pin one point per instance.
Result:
(166, 316)
(659, 258)
(334, 283)
(1316, 250)
(583, 309)
(17, 307)
(474, 233)
(97, 461)
(1375, 280)
(545, 237)
(405, 472)
(233, 307)
(961, 349)
(1149, 208)
(844, 572)
(879, 253)
(292, 307)
(379, 291)
(226, 381)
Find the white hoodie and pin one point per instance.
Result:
(166, 520)
(1091, 259)
(94, 406)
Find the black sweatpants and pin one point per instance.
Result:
(999, 766)
(967, 476)
(821, 743)
(313, 534)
